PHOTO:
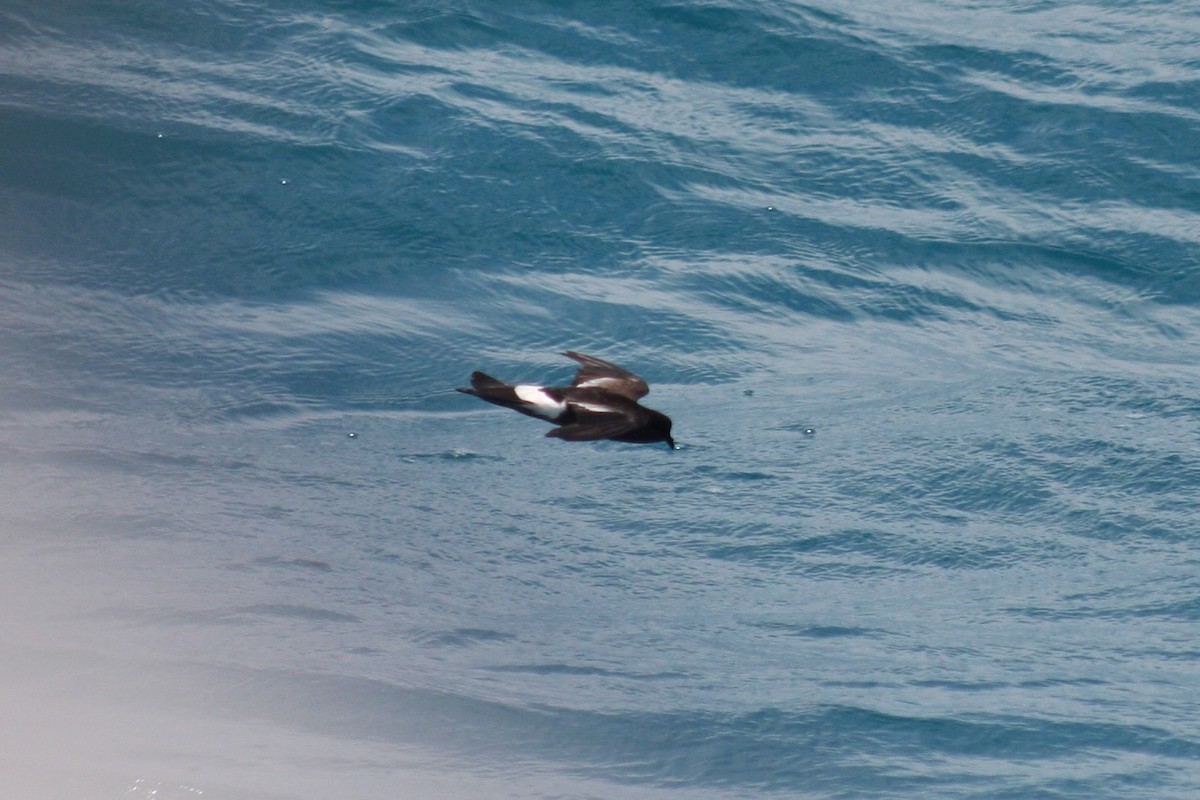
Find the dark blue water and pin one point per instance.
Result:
(920, 288)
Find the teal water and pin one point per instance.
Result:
(919, 287)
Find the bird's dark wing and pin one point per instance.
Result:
(595, 373)
(594, 427)
(599, 414)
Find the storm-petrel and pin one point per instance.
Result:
(601, 403)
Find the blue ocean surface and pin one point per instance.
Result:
(918, 283)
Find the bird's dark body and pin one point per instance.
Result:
(601, 403)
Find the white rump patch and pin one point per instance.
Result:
(542, 403)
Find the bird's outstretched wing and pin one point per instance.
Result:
(596, 373)
(594, 427)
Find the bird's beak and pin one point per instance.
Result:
(670, 443)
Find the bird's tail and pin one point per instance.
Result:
(482, 385)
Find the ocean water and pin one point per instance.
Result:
(918, 283)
